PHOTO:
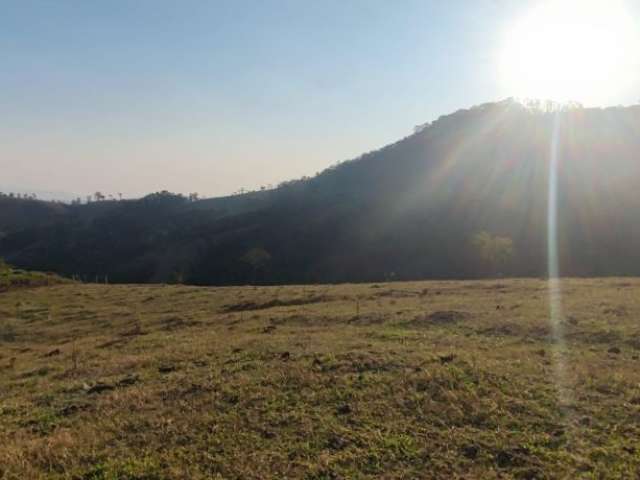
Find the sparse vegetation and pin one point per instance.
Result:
(15, 278)
(427, 380)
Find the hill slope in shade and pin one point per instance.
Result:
(463, 197)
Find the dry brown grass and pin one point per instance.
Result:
(403, 380)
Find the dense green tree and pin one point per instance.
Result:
(495, 252)
(258, 259)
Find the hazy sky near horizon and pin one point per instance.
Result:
(211, 96)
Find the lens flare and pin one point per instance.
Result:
(556, 315)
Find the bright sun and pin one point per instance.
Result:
(582, 50)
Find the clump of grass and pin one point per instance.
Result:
(11, 278)
(7, 331)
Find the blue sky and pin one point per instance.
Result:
(211, 96)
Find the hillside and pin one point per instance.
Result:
(463, 197)
(17, 214)
(433, 380)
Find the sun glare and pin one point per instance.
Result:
(582, 50)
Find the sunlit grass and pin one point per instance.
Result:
(404, 380)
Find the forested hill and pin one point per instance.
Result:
(463, 197)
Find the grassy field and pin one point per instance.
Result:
(15, 278)
(405, 380)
